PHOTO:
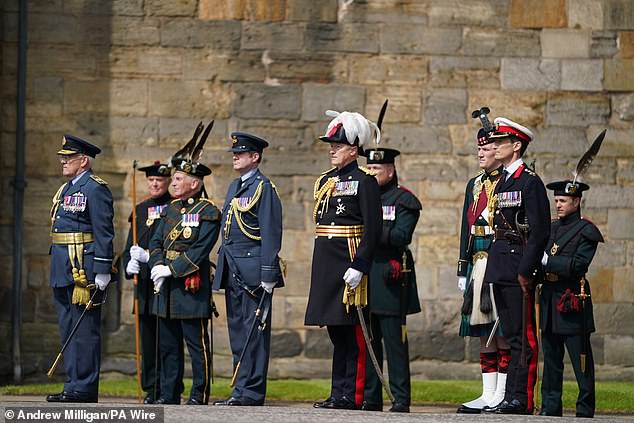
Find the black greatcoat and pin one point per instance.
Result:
(331, 257)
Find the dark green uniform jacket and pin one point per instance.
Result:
(388, 295)
(576, 239)
(193, 243)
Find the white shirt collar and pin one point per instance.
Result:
(513, 167)
(76, 178)
(248, 174)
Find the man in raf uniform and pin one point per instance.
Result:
(348, 217)
(521, 226)
(476, 234)
(566, 305)
(180, 269)
(249, 266)
(81, 262)
(392, 289)
(135, 258)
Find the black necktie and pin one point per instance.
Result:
(505, 175)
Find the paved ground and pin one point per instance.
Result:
(287, 412)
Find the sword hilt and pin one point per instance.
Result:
(405, 269)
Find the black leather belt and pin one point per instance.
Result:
(507, 234)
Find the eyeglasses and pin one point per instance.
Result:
(68, 159)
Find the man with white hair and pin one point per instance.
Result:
(81, 261)
(179, 258)
(348, 216)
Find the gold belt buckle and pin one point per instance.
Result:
(552, 277)
(172, 254)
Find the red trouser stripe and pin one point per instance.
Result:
(532, 365)
(360, 379)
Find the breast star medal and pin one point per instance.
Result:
(187, 232)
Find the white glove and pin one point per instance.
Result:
(139, 254)
(133, 267)
(158, 283)
(352, 277)
(545, 259)
(268, 286)
(160, 271)
(102, 280)
(462, 283)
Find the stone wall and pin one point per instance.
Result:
(135, 77)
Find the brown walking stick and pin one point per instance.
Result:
(137, 325)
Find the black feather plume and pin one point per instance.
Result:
(379, 122)
(588, 156)
(187, 150)
(198, 150)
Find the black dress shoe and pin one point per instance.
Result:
(399, 407)
(225, 401)
(195, 401)
(55, 397)
(366, 406)
(546, 413)
(513, 407)
(344, 403)
(494, 408)
(239, 402)
(81, 397)
(327, 403)
(463, 409)
(150, 398)
(163, 401)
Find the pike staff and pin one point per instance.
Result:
(137, 325)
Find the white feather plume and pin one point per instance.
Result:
(355, 126)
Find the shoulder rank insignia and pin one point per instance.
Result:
(529, 171)
(328, 171)
(98, 180)
(367, 171)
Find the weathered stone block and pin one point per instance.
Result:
(311, 11)
(397, 39)
(625, 172)
(623, 285)
(447, 193)
(317, 98)
(618, 14)
(98, 7)
(189, 98)
(62, 61)
(389, 69)
(561, 141)
(170, 7)
(582, 75)
(623, 106)
(128, 97)
(585, 14)
(619, 75)
(626, 42)
(60, 30)
(45, 97)
(615, 196)
(576, 109)
(409, 12)
(475, 13)
(285, 343)
(253, 10)
(288, 68)
(460, 72)
(530, 74)
(617, 143)
(618, 350)
(610, 254)
(566, 43)
(538, 14)
(272, 36)
(620, 224)
(131, 31)
(261, 101)
(526, 107)
(150, 62)
(604, 44)
(410, 138)
(221, 35)
(357, 38)
(433, 345)
(211, 65)
(444, 106)
(404, 104)
(317, 344)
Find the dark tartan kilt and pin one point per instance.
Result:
(331, 259)
(480, 243)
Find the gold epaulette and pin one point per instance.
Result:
(367, 171)
(328, 171)
(175, 200)
(207, 200)
(98, 180)
(479, 173)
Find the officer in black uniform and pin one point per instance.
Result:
(135, 258)
(179, 259)
(249, 266)
(566, 305)
(348, 217)
(81, 261)
(521, 226)
(392, 289)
